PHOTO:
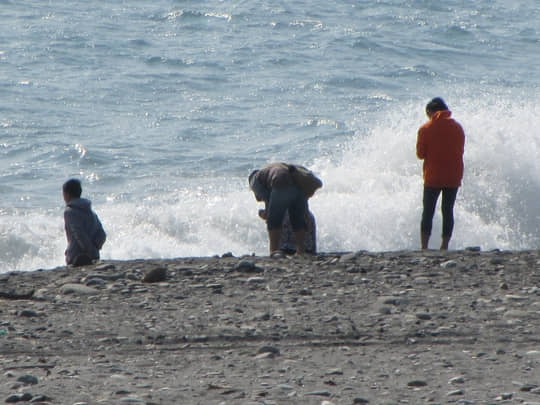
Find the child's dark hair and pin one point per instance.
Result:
(73, 188)
(437, 104)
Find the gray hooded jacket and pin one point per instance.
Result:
(84, 232)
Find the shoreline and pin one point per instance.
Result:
(420, 327)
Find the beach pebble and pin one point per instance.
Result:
(132, 400)
(319, 393)
(448, 264)
(247, 266)
(41, 399)
(347, 257)
(457, 380)
(155, 275)
(417, 383)
(28, 379)
(77, 289)
(28, 313)
(256, 280)
(397, 301)
(19, 398)
(505, 397)
(273, 350)
(335, 371)
(105, 267)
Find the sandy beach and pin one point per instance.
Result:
(406, 327)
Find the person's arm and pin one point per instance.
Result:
(421, 144)
(260, 191)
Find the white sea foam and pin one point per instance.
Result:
(371, 200)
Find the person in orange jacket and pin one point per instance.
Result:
(440, 144)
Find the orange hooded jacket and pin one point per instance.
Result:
(440, 144)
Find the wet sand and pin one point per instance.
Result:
(406, 327)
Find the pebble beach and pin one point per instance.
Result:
(405, 327)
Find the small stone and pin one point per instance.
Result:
(132, 400)
(347, 257)
(77, 289)
(28, 313)
(455, 393)
(335, 371)
(512, 297)
(423, 316)
(96, 282)
(394, 301)
(473, 249)
(155, 275)
(457, 380)
(319, 393)
(19, 398)
(256, 280)
(359, 400)
(40, 398)
(28, 379)
(105, 267)
(274, 351)
(448, 264)
(417, 383)
(247, 266)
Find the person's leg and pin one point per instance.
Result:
(311, 233)
(297, 216)
(276, 209)
(431, 194)
(447, 208)
(274, 235)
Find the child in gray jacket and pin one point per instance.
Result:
(84, 232)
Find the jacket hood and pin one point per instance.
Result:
(80, 203)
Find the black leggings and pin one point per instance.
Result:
(431, 195)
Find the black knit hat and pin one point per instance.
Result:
(437, 104)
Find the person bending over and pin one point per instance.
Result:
(84, 232)
(274, 184)
(440, 143)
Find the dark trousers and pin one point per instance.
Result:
(431, 195)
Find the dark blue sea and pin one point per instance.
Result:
(162, 108)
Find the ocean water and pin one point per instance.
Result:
(162, 108)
